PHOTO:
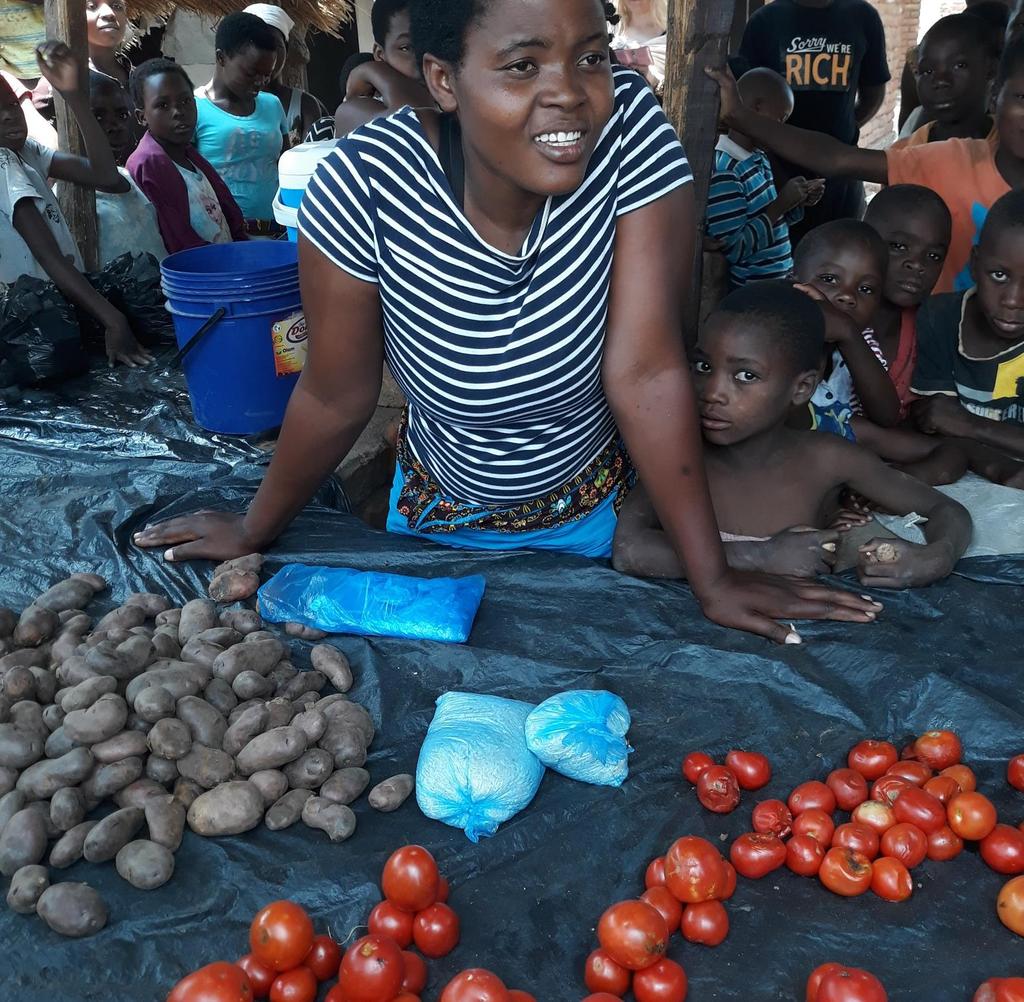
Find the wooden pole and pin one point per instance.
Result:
(65, 21)
(698, 36)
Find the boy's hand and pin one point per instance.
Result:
(802, 551)
(729, 94)
(941, 415)
(59, 68)
(895, 563)
(815, 191)
(838, 325)
(799, 191)
(121, 345)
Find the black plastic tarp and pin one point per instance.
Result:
(81, 470)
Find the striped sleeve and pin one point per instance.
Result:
(653, 162)
(337, 214)
(742, 235)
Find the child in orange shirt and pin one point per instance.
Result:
(968, 174)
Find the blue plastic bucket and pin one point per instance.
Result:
(243, 300)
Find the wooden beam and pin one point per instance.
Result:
(65, 20)
(698, 36)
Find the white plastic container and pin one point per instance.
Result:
(294, 170)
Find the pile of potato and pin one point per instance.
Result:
(179, 716)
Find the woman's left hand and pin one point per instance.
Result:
(59, 68)
(754, 602)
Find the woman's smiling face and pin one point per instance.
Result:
(533, 93)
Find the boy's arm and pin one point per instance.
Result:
(814, 150)
(945, 415)
(947, 531)
(97, 169)
(120, 344)
(360, 106)
(876, 390)
(640, 547)
(742, 235)
(869, 100)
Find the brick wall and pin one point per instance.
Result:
(901, 19)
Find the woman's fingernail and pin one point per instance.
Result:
(868, 598)
(168, 554)
(831, 547)
(793, 638)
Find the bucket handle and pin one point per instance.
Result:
(208, 326)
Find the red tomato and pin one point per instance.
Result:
(729, 885)
(812, 796)
(655, 875)
(804, 855)
(939, 749)
(297, 985)
(891, 880)
(220, 982)
(410, 879)
(913, 772)
(964, 775)
(602, 997)
(443, 889)
(878, 817)
(372, 969)
(755, 856)
(717, 790)
(971, 815)
(324, 958)
(751, 769)
(1010, 905)
(888, 788)
(665, 902)
(943, 788)
(1003, 849)
(849, 787)
(944, 845)
(817, 824)
(1015, 772)
(814, 981)
(435, 931)
(261, 977)
(335, 995)
(915, 807)
(907, 843)
(706, 923)
(280, 935)
(1001, 990)
(602, 974)
(872, 758)
(664, 981)
(696, 764)
(404, 997)
(851, 985)
(475, 985)
(845, 872)
(414, 972)
(387, 919)
(517, 995)
(633, 934)
(772, 817)
(859, 837)
(694, 870)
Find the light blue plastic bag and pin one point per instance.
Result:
(371, 604)
(582, 735)
(474, 770)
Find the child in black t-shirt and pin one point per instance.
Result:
(970, 363)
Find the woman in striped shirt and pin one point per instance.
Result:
(518, 255)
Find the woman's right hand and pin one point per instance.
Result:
(754, 602)
(206, 535)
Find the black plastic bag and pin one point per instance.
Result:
(40, 338)
(131, 283)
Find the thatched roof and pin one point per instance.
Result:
(323, 15)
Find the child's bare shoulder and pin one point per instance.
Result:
(824, 453)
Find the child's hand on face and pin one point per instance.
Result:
(895, 563)
(839, 327)
(803, 551)
(941, 415)
(59, 68)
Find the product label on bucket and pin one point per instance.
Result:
(289, 344)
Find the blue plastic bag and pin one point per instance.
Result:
(582, 735)
(371, 604)
(474, 770)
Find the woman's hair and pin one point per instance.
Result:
(153, 68)
(381, 15)
(440, 26)
(659, 8)
(240, 30)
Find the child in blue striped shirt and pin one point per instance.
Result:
(746, 215)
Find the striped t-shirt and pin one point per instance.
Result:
(742, 187)
(499, 355)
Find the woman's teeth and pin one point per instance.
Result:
(560, 138)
